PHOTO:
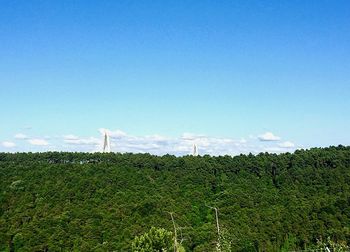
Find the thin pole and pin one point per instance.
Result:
(217, 224)
(175, 235)
(217, 220)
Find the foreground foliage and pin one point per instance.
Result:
(156, 239)
(100, 202)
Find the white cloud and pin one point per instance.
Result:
(21, 136)
(113, 133)
(268, 136)
(73, 140)
(286, 144)
(38, 142)
(190, 136)
(243, 140)
(70, 137)
(7, 144)
(182, 145)
(160, 144)
(273, 149)
(157, 138)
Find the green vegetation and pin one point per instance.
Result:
(101, 202)
(154, 240)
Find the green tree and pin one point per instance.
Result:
(156, 239)
(332, 246)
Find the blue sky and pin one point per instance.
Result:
(224, 73)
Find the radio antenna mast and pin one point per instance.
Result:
(195, 150)
(106, 143)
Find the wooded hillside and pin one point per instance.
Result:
(100, 202)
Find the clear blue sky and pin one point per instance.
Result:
(226, 69)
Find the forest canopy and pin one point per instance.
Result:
(56, 201)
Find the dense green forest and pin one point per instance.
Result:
(99, 202)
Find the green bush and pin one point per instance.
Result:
(156, 239)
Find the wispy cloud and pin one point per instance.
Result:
(190, 136)
(268, 136)
(38, 142)
(286, 144)
(70, 137)
(182, 145)
(155, 144)
(113, 133)
(21, 136)
(74, 140)
(8, 144)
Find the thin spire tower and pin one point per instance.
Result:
(106, 143)
(195, 150)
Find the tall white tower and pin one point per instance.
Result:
(106, 143)
(195, 150)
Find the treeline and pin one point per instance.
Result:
(99, 202)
